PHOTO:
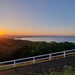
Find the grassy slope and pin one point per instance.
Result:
(67, 72)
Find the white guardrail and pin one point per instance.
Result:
(36, 58)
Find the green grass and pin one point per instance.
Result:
(2, 68)
(67, 72)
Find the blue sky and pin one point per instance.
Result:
(37, 17)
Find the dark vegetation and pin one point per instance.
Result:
(13, 49)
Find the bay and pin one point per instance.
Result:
(50, 38)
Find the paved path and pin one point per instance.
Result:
(38, 67)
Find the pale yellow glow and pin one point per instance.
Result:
(1, 32)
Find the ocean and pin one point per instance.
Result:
(50, 38)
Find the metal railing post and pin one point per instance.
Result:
(14, 63)
(33, 60)
(49, 56)
(64, 54)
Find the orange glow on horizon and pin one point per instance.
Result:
(2, 32)
(32, 33)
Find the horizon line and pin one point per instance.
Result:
(37, 35)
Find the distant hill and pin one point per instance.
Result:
(25, 36)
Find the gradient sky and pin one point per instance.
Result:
(37, 17)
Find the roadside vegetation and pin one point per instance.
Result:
(67, 72)
(13, 49)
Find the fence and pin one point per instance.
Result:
(34, 59)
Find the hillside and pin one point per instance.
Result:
(14, 49)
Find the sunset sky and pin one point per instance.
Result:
(37, 17)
